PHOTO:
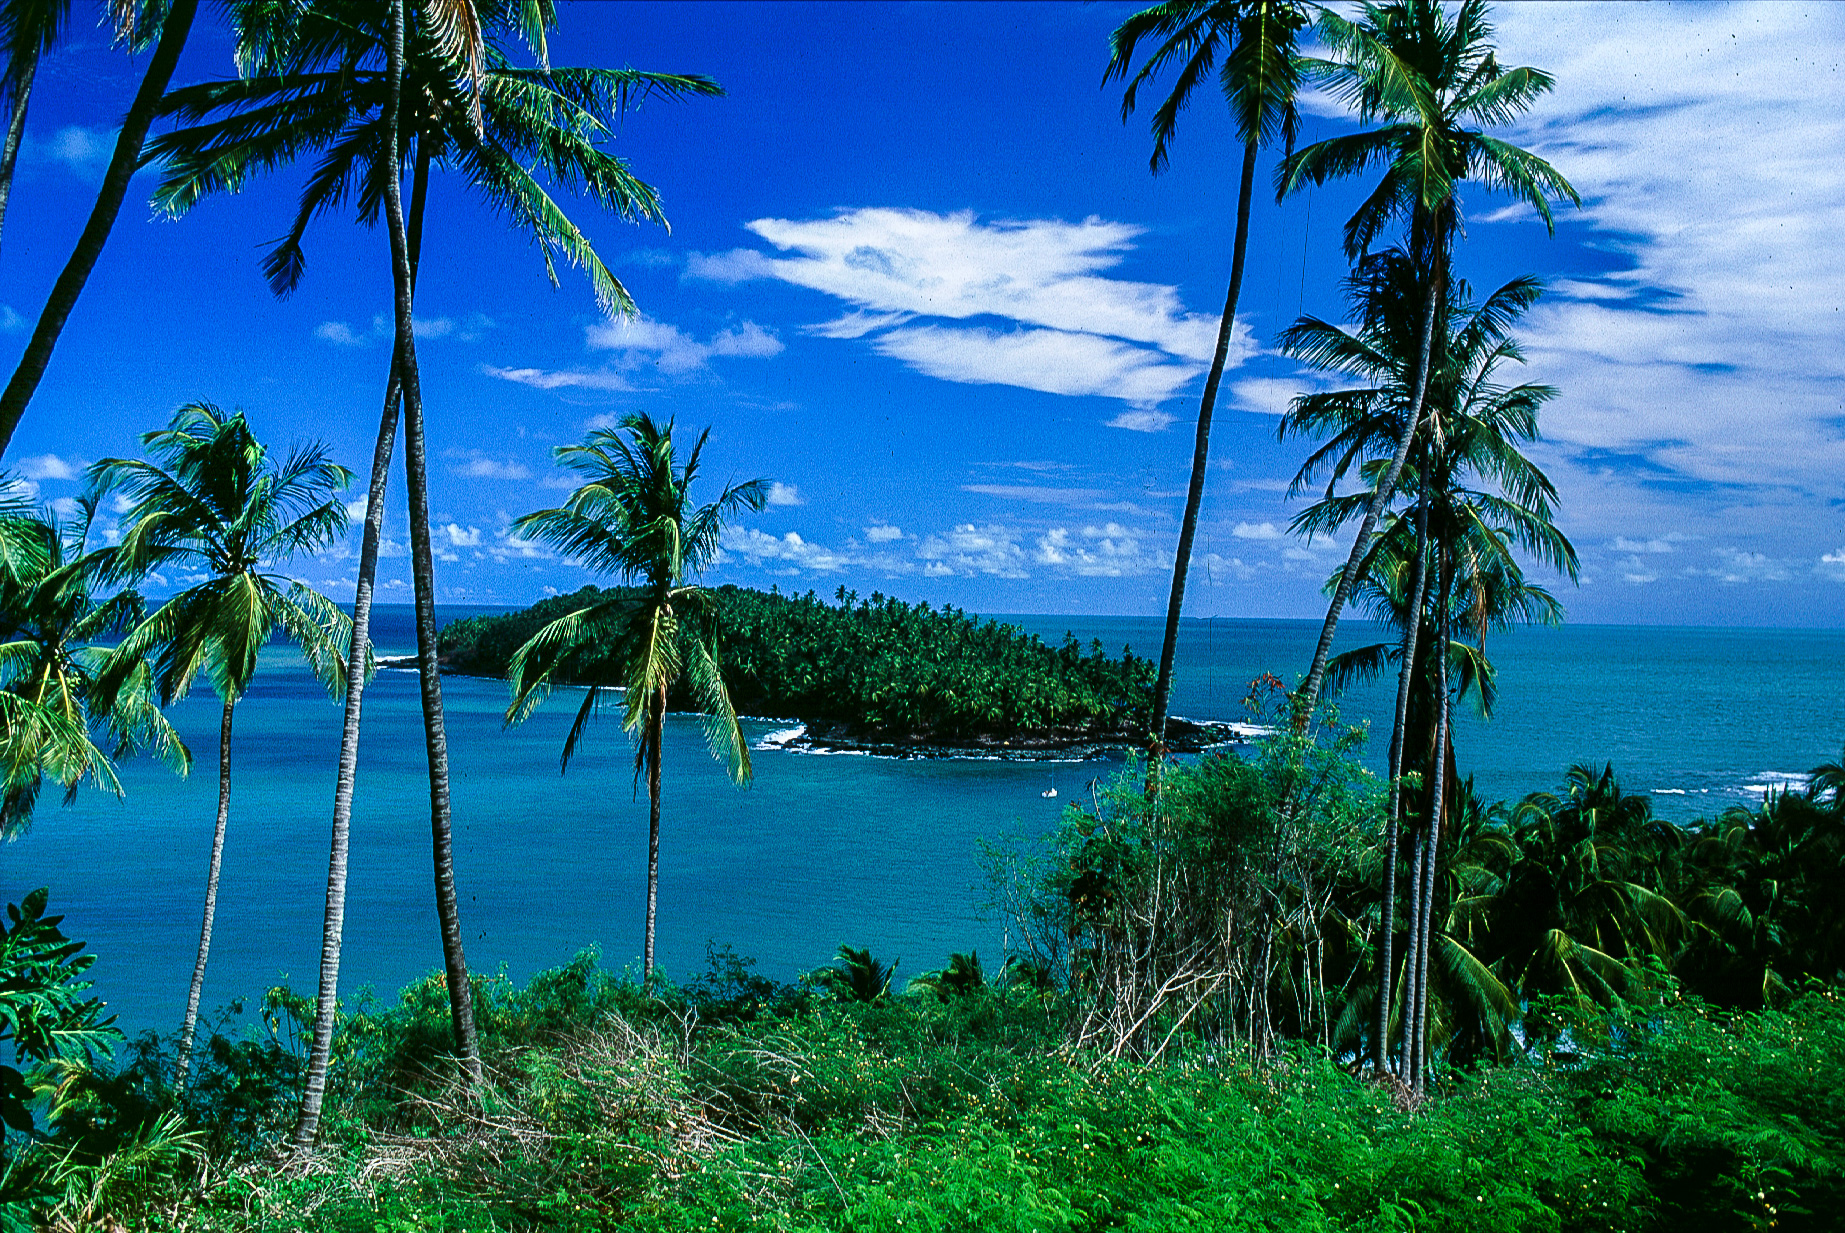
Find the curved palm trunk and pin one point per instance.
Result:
(423, 571)
(1309, 696)
(1438, 806)
(122, 166)
(1398, 739)
(435, 734)
(656, 723)
(15, 131)
(332, 934)
(333, 926)
(189, 1028)
(1201, 451)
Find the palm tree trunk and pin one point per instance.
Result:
(1201, 451)
(1412, 950)
(1398, 738)
(122, 166)
(1438, 806)
(15, 131)
(423, 571)
(1309, 696)
(308, 1125)
(333, 927)
(189, 1027)
(656, 723)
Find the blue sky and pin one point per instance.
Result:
(920, 277)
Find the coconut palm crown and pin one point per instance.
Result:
(315, 83)
(634, 519)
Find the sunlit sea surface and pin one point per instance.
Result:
(823, 849)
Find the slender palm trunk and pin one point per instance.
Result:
(1309, 696)
(656, 723)
(122, 166)
(1201, 451)
(189, 1028)
(1412, 952)
(423, 571)
(1438, 806)
(1398, 739)
(15, 131)
(333, 927)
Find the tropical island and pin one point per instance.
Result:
(1263, 987)
(879, 675)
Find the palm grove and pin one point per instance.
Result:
(1405, 924)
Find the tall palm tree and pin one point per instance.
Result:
(50, 621)
(1473, 426)
(214, 502)
(634, 519)
(173, 26)
(1259, 78)
(371, 86)
(1428, 74)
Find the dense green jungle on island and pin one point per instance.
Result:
(873, 670)
(1243, 989)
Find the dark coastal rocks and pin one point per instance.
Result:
(1182, 736)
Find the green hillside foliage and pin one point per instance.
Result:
(733, 1103)
(875, 668)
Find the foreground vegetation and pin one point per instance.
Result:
(872, 670)
(737, 1104)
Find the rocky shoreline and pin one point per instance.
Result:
(1049, 744)
(1182, 736)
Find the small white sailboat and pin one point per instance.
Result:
(1050, 793)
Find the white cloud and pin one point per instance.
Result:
(1084, 333)
(84, 150)
(970, 550)
(1051, 361)
(887, 535)
(739, 265)
(462, 537)
(1707, 155)
(1037, 494)
(789, 551)
(1258, 530)
(1272, 395)
(10, 321)
(544, 379)
(1142, 421)
(1108, 551)
(673, 351)
(340, 334)
(49, 466)
(476, 465)
(784, 494)
(1832, 566)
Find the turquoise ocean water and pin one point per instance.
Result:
(823, 849)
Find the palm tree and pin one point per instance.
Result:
(1473, 425)
(360, 84)
(26, 36)
(215, 503)
(634, 518)
(1259, 79)
(1427, 74)
(1582, 901)
(50, 618)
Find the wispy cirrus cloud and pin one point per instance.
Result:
(1074, 331)
(1707, 155)
(644, 345)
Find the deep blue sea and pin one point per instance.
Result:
(823, 849)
